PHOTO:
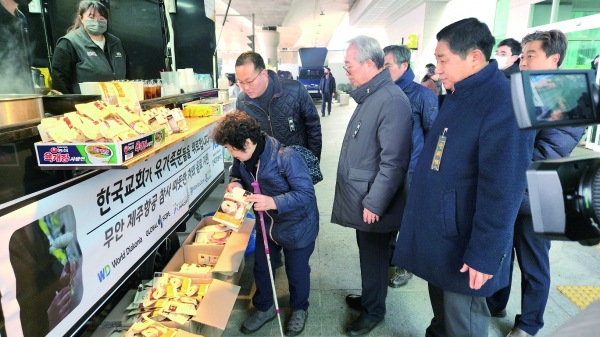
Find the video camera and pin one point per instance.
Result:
(564, 193)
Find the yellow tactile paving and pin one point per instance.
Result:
(597, 247)
(581, 296)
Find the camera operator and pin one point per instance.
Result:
(542, 50)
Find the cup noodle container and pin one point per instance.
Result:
(90, 88)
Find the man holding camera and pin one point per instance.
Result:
(542, 50)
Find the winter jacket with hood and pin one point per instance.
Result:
(295, 222)
(424, 105)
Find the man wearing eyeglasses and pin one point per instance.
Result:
(282, 107)
(369, 191)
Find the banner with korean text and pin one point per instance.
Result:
(61, 254)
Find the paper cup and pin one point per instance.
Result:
(90, 88)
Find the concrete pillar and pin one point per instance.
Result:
(268, 40)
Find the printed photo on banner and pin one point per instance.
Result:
(46, 259)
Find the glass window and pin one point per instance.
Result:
(541, 12)
(501, 20)
(583, 47)
(574, 9)
(311, 73)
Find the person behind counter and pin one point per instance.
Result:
(234, 88)
(15, 63)
(88, 53)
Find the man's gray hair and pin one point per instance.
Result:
(367, 48)
(401, 53)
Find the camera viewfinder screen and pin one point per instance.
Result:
(560, 97)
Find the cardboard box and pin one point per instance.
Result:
(111, 154)
(113, 323)
(110, 331)
(231, 255)
(241, 237)
(210, 319)
(210, 107)
(213, 312)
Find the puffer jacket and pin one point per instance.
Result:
(424, 105)
(292, 117)
(552, 143)
(295, 222)
(374, 157)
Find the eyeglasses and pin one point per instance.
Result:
(347, 69)
(249, 82)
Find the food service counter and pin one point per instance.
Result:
(83, 237)
(195, 125)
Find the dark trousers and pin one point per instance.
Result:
(394, 236)
(532, 253)
(326, 100)
(296, 268)
(374, 253)
(457, 314)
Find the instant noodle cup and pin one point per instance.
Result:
(98, 154)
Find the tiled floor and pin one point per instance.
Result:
(336, 273)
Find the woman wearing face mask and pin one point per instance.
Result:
(88, 53)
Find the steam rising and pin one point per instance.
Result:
(15, 71)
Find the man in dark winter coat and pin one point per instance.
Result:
(327, 88)
(369, 191)
(424, 105)
(432, 80)
(541, 51)
(458, 222)
(507, 56)
(282, 107)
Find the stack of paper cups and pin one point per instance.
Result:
(189, 73)
(183, 82)
(170, 81)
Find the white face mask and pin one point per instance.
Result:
(501, 61)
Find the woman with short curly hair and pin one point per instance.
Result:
(290, 205)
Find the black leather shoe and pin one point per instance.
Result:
(354, 302)
(361, 326)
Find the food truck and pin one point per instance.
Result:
(84, 211)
